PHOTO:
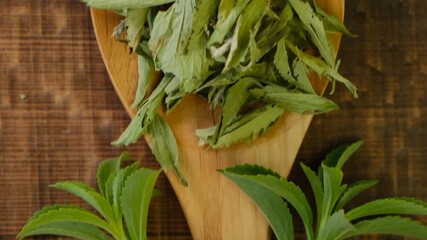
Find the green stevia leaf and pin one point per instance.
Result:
(279, 186)
(271, 33)
(223, 79)
(294, 101)
(392, 225)
(146, 77)
(332, 190)
(281, 61)
(388, 206)
(193, 68)
(169, 38)
(336, 227)
(264, 187)
(174, 94)
(322, 69)
(262, 72)
(46, 209)
(332, 24)
(63, 213)
(117, 186)
(316, 186)
(205, 10)
(339, 156)
(124, 4)
(137, 193)
(109, 190)
(107, 168)
(244, 119)
(172, 86)
(134, 130)
(236, 98)
(207, 134)
(69, 229)
(294, 196)
(216, 96)
(353, 191)
(144, 116)
(265, 118)
(254, 52)
(315, 28)
(119, 30)
(164, 145)
(161, 30)
(228, 12)
(271, 204)
(250, 170)
(134, 23)
(89, 195)
(301, 75)
(173, 99)
(252, 15)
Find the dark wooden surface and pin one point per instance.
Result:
(59, 112)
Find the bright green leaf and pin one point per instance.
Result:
(271, 204)
(353, 191)
(107, 168)
(109, 189)
(136, 197)
(392, 225)
(388, 206)
(63, 213)
(317, 188)
(69, 229)
(339, 156)
(332, 191)
(279, 186)
(336, 227)
(89, 195)
(117, 186)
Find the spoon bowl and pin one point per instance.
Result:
(214, 207)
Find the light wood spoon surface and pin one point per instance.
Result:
(214, 207)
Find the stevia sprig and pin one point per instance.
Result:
(329, 218)
(121, 204)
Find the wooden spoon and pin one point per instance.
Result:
(214, 207)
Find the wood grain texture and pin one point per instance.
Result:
(215, 208)
(63, 128)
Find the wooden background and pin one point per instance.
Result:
(59, 112)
